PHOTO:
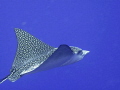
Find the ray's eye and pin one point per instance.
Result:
(80, 52)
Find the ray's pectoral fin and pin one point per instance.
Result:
(60, 56)
(28, 47)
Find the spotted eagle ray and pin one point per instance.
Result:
(33, 55)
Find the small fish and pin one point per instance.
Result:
(33, 55)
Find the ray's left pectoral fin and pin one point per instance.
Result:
(28, 47)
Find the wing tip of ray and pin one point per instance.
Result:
(17, 29)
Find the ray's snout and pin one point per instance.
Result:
(84, 52)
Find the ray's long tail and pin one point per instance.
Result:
(4, 79)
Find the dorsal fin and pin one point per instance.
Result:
(28, 48)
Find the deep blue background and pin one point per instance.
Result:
(89, 24)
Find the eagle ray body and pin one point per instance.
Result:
(33, 55)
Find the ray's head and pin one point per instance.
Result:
(79, 52)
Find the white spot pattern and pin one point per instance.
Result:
(31, 52)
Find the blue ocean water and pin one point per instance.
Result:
(92, 25)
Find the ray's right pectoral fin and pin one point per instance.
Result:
(60, 56)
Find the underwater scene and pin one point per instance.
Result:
(59, 45)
